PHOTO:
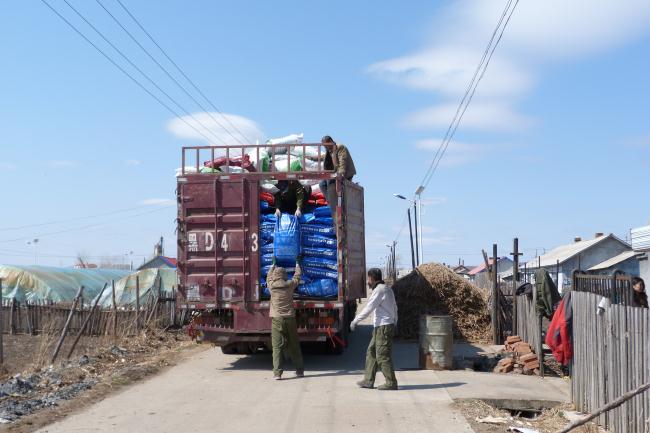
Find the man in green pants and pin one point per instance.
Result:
(379, 355)
(284, 332)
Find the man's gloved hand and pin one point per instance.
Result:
(353, 326)
(298, 213)
(278, 213)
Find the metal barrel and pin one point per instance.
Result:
(436, 342)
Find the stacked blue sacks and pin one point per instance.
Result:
(316, 236)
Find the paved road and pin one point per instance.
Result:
(212, 392)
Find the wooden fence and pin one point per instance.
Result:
(49, 317)
(529, 326)
(611, 352)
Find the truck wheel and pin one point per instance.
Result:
(229, 349)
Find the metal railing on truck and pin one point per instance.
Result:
(248, 157)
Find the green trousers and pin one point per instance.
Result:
(379, 355)
(284, 339)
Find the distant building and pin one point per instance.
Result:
(641, 245)
(560, 262)
(159, 262)
(504, 265)
(159, 259)
(480, 276)
(626, 262)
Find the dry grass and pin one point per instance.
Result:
(435, 289)
(549, 421)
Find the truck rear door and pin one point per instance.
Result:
(218, 244)
(355, 242)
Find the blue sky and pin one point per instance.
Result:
(556, 143)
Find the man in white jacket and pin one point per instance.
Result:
(379, 355)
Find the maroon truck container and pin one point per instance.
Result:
(219, 252)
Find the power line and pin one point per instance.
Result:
(72, 219)
(110, 59)
(125, 57)
(182, 72)
(82, 227)
(471, 89)
(134, 39)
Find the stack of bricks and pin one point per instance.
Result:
(520, 358)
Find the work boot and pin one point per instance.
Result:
(364, 384)
(387, 387)
(300, 372)
(277, 376)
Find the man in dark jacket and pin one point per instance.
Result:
(291, 197)
(337, 158)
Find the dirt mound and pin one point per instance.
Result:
(435, 289)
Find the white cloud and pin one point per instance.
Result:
(540, 33)
(490, 116)
(448, 70)
(132, 162)
(215, 130)
(61, 163)
(157, 201)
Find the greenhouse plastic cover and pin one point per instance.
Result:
(38, 283)
(149, 284)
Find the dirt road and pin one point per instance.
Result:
(212, 392)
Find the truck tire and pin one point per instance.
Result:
(229, 349)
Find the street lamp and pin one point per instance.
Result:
(35, 243)
(415, 258)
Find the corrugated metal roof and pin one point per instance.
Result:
(641, 238)
(565, 252)
(613, 261)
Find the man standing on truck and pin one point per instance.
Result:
(284, 331)
(337, 158)
(291, 197)
(379, 355)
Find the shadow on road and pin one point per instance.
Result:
(351, 362)
(431, 386)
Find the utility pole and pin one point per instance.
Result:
(394, 261)
(496, 325)
(417, 241)
(408, 211)
(515, 282)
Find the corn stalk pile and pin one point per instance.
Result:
(435, 289)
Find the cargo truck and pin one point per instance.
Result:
(219, 246)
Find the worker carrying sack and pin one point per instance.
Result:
(286, 240)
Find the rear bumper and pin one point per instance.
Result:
(226, 323)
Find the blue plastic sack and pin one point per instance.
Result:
(266, 236)
(306, 218)
(324, 221)
(323, 211)
(318, 230)
(266, 249)
(286, 240)
(323, 288)
(326, 253)
(264, 205)
(266, 259)
(268, 226)
(318, 273)
(320, 262)
(318, 241)
(270, 218)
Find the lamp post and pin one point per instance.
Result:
(415, 257)
(418, 200)
(34, 242)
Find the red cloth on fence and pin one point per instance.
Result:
(558, 336)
